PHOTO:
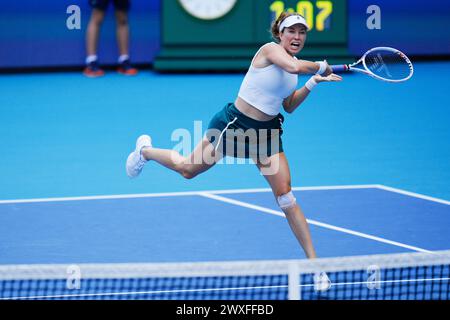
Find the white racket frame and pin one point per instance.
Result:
(367, 71)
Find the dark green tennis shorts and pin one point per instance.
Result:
(234, 134)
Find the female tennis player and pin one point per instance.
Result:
(270, 83)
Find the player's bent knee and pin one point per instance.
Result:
(188, 173)
(286, 201)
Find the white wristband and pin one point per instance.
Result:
(322, 67)
(310, 84)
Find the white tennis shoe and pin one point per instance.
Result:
(135, 161)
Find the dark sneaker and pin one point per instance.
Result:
(93, 70)
(126, 68)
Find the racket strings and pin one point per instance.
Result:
(390, 65)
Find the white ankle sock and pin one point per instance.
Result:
(123, 57)
(91, 58)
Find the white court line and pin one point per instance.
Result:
(313, 222)
(210, 193)
(106, 197)
(229, 191)
(179, 194)
(413, 194)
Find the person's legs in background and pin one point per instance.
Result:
(92, 35)
(123, 37)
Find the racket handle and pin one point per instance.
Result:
(340, 68)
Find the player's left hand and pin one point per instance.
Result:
(332, 77)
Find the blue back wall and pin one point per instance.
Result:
(416, 26)
(34, 33)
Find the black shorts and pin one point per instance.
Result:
(123, 5)
(234, 134)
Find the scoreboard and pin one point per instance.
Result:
(225, 34)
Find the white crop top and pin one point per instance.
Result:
(266, 88)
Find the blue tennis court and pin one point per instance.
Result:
(218, 226)
(368, 156)
(371, 174)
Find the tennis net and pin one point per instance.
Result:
(407, 276)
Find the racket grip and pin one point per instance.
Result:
(340, 68)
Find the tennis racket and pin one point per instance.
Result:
(382, 63)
